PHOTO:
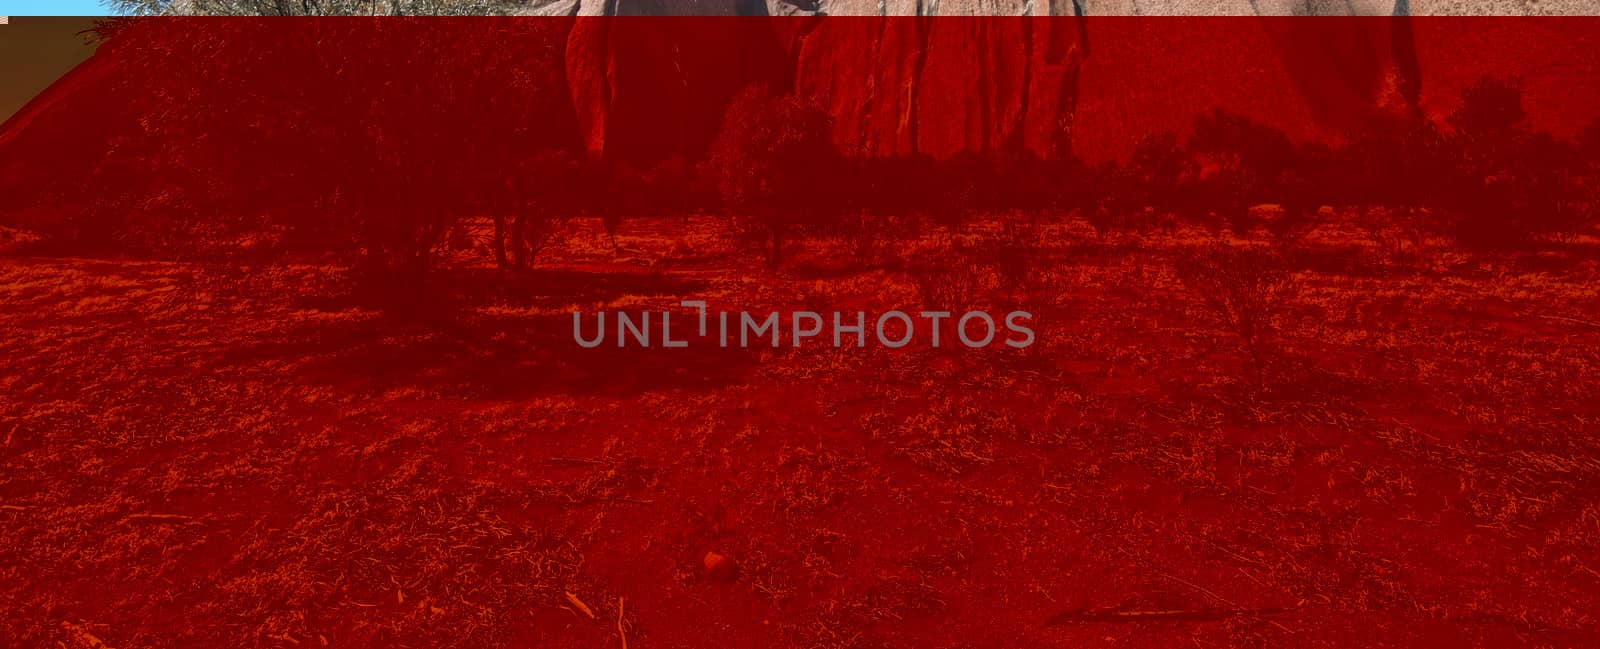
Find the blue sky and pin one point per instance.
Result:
(52, 8)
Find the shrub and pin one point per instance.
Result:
(1578, 211)
(544, 192)
(1117, 196)
(1163, 175)
(767, 162)
(868, 235)
(951, 280)
(1291, 223)
(1014, 253)
(1243, 287)
(1300, 199)
(1105, 218)
(1511, 181)
(1396, 236)
(947, 288)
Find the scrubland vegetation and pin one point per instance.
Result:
(1394, 453)
(1283, 394)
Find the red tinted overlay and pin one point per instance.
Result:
(393, 332)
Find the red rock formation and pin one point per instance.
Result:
(894, 85)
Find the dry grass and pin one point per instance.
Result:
(187, 459)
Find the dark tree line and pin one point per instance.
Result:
(365, 143)
(1483, 178)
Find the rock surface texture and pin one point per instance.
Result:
(900, 86)
(1091, 7)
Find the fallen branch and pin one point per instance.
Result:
(80, 632)
(581, 606)
(1232, 609)
(571, 460)
(1191, 614)
(602, 499)
(1586, 323)
(620, 631)
(158, 518)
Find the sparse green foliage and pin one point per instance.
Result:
(770, 162)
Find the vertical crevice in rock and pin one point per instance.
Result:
(863, 111)
(987, 97)
(1408, 69)
(919, 61)
(1060, 145)
(1015, 140)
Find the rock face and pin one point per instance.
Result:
(983, 79)
(902, 86)
(894, 84)
(643, 91)
(1089, 7)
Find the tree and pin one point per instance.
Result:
(1511, 181)
(1162, 173)
(770, 162)
(361, 140)
(1117, 195)
(1396, 174)
(1302, 191)
(1239, 162)
(1582, 207)
(546, 190)
(1589, 143)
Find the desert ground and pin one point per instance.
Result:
(210, 455)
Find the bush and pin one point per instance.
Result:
(1245, 288)
(1105, 218)
(543, 193)
(1396, 235)
(951, 280)
(1578, 211)
(1510, 182)
(1015, 255)
(869, 236)
(1291, 223)
(768, 162)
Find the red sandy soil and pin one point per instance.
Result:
(196, 456)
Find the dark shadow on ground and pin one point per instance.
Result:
(494, 357)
